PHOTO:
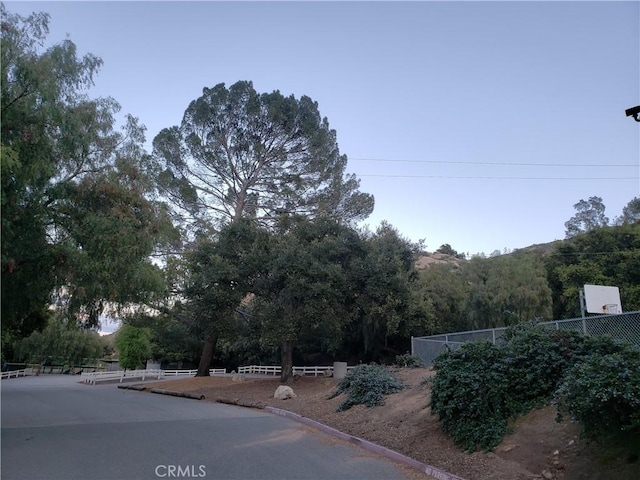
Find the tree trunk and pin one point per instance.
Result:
(207, 355)
(287, 361)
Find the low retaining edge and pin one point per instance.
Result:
(367, 445)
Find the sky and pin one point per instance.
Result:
(474, 124)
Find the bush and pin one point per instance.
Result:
(367, 385)
(469, 394)
(479, 387)
(602, 392)
(535, 360)
(409, 361)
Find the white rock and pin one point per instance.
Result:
(283, 392)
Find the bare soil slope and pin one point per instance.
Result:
(539, 447)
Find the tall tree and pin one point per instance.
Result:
(630, 212)
(387, 306)
(221, 273)
(447, 288)
(305, 289)
(76, 216)
(240, 154)
(60, 341)
(604, 256)
(589, 215)
(506, 290)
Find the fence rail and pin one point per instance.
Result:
(277, 370)
(622, 326)
(93, 377)
(183, 373)
(17, 373)
(120, 375)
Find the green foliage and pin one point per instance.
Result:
(448, 250)
(367, 385)
(602, 256)
(239, 153)
(409, 361)
(60, 340)
(133, 345)
(480, 386)
(630, 213)
(589, 215)
(77, 220)
(171, 340)
(506, 290)
(447, 290)
(535, 360)
(469, 395)
(602, 392)
(385, 293)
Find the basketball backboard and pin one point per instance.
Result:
(601, 299)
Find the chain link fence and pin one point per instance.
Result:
(623, 326)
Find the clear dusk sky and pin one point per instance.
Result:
(478, 124)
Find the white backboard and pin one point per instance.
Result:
(602, 300)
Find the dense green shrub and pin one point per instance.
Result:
(534, 360)
(469, 395)
(409, 361)
(367, 384)
(479, 387)
(602, 392)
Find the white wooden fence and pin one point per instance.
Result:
(93, 377)
(101, 376)
(17, 373)
(180, 373)
(277, 370)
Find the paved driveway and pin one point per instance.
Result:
(56, 428)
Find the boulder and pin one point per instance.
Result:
(283, 392)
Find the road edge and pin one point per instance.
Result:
(367, 445)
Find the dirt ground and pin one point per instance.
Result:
(538, 448)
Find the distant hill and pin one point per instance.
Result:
(425, 260)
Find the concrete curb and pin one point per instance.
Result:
(367, 445)
(173, 393)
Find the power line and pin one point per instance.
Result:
(510, 164)
(479, 177)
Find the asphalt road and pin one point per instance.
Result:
(56, 428)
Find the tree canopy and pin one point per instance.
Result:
(133, 345)
(240, 153)
(78, 221)
(589, 215)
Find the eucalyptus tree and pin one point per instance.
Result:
(589, 215)
(240, 154)
(77, 218)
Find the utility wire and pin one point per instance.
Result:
(511, 164)
(478, 177)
